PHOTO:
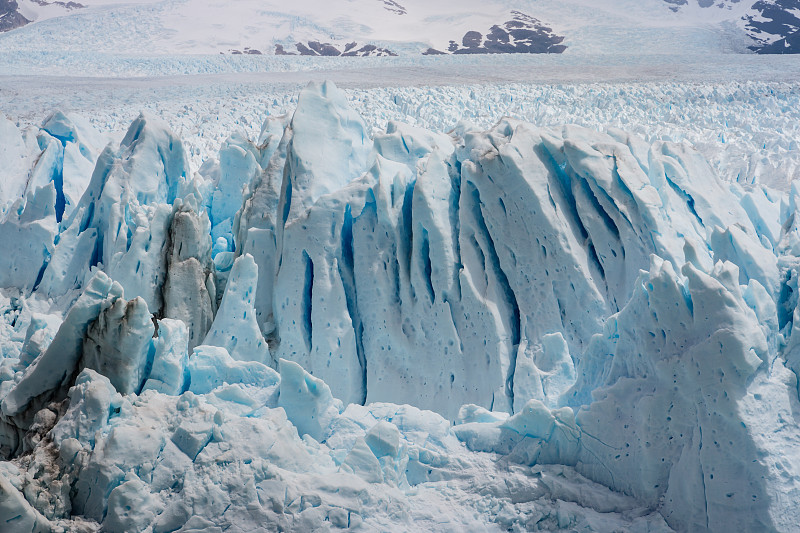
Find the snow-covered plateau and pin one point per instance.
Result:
(494, 306)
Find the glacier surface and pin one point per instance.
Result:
(329, 324)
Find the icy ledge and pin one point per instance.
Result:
(595, 333)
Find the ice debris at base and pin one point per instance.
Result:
(514, 329)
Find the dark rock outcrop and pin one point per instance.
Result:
(10, 16)
(316, 48)
(522, 34)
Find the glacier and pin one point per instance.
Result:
(332, 325)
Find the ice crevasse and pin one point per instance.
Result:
(518, 328)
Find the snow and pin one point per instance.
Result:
(408, 27)
(392, 308)
(191, 26)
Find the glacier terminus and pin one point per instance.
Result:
(333, 325)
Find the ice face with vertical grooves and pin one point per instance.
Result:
(118, 344)
(236, 327)
(57, 364)
(606, 324)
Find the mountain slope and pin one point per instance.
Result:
(389, 27)
(10, 17)
(775, 26)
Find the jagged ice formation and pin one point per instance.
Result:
(518, 328)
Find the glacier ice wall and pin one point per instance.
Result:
(597, 320)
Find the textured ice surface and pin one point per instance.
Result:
(747, 130)
(332, 324)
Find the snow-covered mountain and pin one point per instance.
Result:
(593, 331)
(775, 25)
(389, 27)
(10, 16)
